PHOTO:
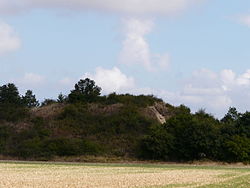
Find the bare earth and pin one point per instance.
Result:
(46, 175)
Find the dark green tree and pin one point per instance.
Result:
(231, 116)
(85, 91)
(237, 149)
(11, 106)
(157, 145)
(243, 125)
(29, 99)
(61, 98)
(9, 94)
(48, 102)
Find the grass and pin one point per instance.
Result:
(56, 174)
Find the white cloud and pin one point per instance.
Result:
(9, 41)
(111, 80)
(244, 19)
(135, 7)
(214, 91)
(244, 79)
(136, 49)
(228, 78)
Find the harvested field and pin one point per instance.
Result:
(60, 175)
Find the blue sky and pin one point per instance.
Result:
(192, 52)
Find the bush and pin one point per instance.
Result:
(30, 148)
(4, 137)
(157, 145)
(73, 146)
(13, 113)
(238, 149)
(138, 101)
(48, 102)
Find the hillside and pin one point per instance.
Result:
(84, 123)
(97, 128)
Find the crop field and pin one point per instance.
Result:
(62, 175)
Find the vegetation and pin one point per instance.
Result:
(86, 123)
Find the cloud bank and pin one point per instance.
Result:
(9, 40)
(130, 7)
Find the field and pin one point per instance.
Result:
(62, 175)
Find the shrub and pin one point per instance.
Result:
(157, 145)
(4, 137)
(238, 149)
(73, 146)
(12, 113)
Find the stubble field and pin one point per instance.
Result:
(62, 175)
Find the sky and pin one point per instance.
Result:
(191, 52)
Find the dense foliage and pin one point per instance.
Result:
(86, 123)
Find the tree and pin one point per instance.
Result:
(237, 149)
(231, 116)
(48, 102)
(61, 98)
(29, 99)
(11, 106)
(9, 94)
(85, 91)
(157, 145)
(243, 125)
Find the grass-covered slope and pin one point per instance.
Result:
(113, 127)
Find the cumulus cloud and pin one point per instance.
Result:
(135, 7)
(9, 41)
(244, 79)
(214, 91)
(136, 49)
(111, 80)
(228, 78)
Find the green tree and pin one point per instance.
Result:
(157, 145)
(238, 149)
(9, 94)
(11, 107)
(184, 137)
(243, 125)
(48, 102)
(61, 98)
(85, 91)
(231, 116)
(29, 99)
